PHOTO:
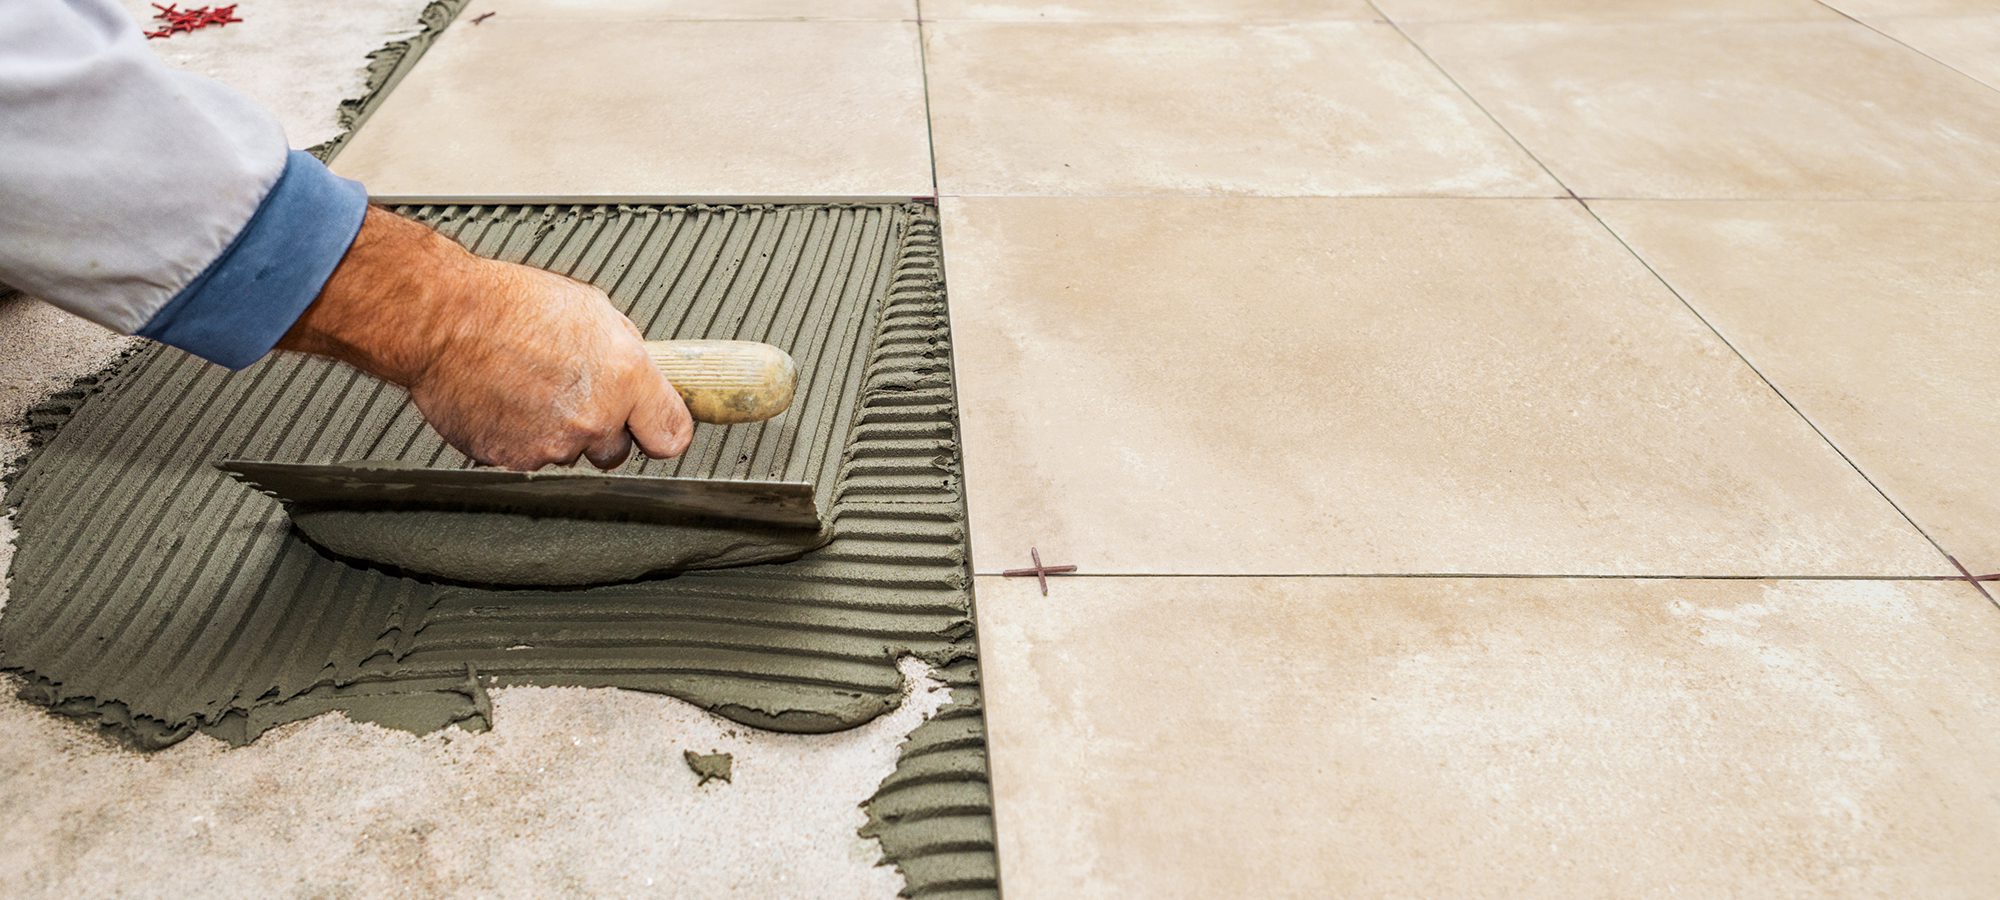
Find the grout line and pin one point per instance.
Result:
(1908, 46)
(1502, 576)
(930, 127)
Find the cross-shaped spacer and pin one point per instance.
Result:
(1041, 572)
(1975, 580)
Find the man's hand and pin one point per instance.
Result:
(515, 366)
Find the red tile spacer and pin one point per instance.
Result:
(1041, 572)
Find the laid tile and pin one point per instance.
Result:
(1876, 319)
(1279, 386)
(1866, 8)
(1778, 110)
(1336, 108)
(1600, 10)
(1149, 10)
(1191, 737)
(1970, 44)
(553, 109)
(641, 10)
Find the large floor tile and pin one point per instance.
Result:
(1184, 737)
(1876, 319)
(1337, 108)
(1765, 110)
(642, 10)
(553, 109)
(1600, 10)
(1267, 386)
(1149, 10)
(1915, 7)
(1970, 44)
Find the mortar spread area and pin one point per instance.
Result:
(156, 597)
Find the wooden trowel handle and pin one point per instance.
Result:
(726, 382)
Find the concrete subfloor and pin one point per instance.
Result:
(574, 791)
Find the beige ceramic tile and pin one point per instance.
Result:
(1181, 737)
(1149, 10)
(1331, 108)
(638, 10)
(1876, 319)
(1268, 386)
(653, 109)
(1878, 8)
(1786, 110)
(1970, 44)
(1600, 10)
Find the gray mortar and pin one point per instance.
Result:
(709, 766)
(386, 68)
(157, 599)
(497, 548)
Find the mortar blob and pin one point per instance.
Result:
(516, 550)
(552, 528)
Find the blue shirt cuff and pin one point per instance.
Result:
(235, 311)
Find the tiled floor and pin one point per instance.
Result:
(1198, 349)
(1253, 297)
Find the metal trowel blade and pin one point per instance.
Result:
(556, 493)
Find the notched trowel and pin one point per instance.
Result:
(565, 527)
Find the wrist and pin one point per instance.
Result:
(394, 303)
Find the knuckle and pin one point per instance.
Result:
(581, 427)
(557, 452)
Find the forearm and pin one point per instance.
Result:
(151, 201)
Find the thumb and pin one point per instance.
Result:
(660, 422)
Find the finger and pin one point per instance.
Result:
(611, 450)
(660, 422)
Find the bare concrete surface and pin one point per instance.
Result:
(295, 58)
(574, 791)
(43, 350)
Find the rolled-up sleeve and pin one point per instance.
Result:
(151, 201)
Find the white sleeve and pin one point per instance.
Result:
(127, 186)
